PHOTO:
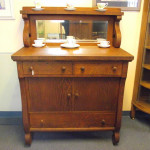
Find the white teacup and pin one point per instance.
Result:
(104, 43)
(38, 42)
(102, 5)
(69, 5)
(71, 40)
(37, 3)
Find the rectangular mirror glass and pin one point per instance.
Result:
(56, 30)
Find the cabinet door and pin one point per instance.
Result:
(49, 94)
(95, 94)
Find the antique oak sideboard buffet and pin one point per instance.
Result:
(78, 89)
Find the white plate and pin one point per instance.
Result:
(99, 45)
(102, 10)
(70, 46)
(70, 8)
(38, 45)
(37, 9)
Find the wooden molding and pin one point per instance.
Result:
(117, 32)
(26, 38)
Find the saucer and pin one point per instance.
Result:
(103, 46)
(38, 45)
(37, 9)
(70, 8)
(69, 45)
(102, 10)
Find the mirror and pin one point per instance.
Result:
(56, 30)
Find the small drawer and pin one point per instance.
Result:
(72, 120)
(99, 68)
(47, 68)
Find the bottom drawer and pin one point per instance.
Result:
(72, 120)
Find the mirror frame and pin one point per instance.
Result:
(112, 15)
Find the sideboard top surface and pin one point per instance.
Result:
(81, 53)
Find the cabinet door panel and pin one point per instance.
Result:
(95, 94)
(49, 94)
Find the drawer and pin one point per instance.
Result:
(47, 68)
(72, 120)
(99, 68)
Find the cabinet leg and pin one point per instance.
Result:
(132, 113)
(115, 137)
(28, 138)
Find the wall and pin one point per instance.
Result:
(11, 41)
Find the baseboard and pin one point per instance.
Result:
(15, 117)
(10, 114)
(10, 117)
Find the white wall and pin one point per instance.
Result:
(11, 41)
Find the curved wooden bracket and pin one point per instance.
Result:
(117, 33)
(26, 38)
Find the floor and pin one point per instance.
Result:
(134, 135)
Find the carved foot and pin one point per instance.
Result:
(132, 113)
(28, 138)
(115, 138)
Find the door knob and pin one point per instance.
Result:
(76, 95)
(69, 95)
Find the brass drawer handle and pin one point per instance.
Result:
(69, 95)
(82, 69)
(63, 69)
(103, 122)
(114, 69)
(32, 71)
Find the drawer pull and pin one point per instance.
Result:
(42, 123)
(114, 69)
(63, 69)
(69, 95)
(82, 69)
(103, 122)
(32, 71)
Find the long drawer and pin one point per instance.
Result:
(72, 120)
(49, 68)
(101, 68)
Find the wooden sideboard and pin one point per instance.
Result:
(72, 90)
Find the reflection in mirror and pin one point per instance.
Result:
(81, 30)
